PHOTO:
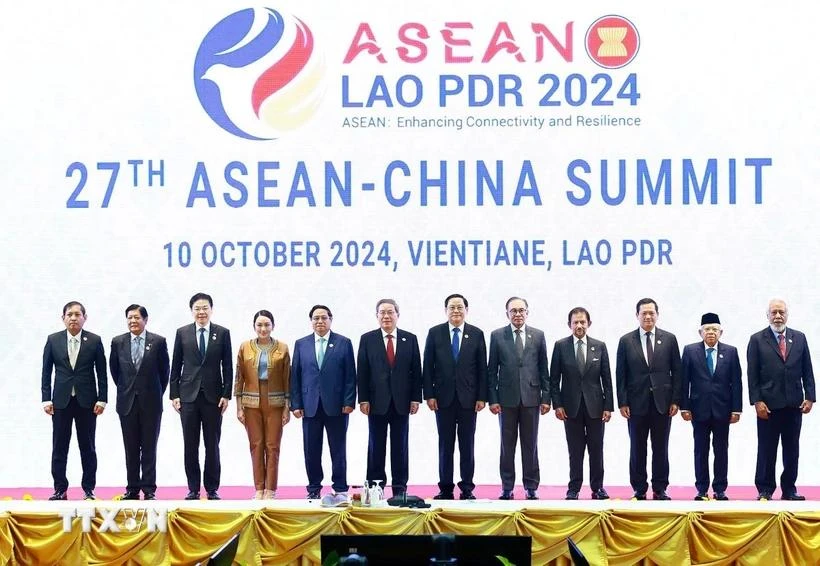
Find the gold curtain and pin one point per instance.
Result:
(291, 536)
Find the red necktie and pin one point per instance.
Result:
(781, 342)
(391, 352)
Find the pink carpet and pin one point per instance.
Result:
(678, 493)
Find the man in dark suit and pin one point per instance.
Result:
(711, 397)
(388, 368)
(647, 377)
(518, 392)
(323, 391)
(582, 395)
(201, 384)
(781, 387)
(74, 356)
(139, 367)
(455, 387)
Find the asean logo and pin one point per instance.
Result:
(256, 74)
(612, 42)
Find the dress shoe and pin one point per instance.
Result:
(793, 497)
(466, 495)
(531, 494)
(314, 494)
(149, 496)
(88, 495)
(130, 496)
(702, 496)
(213, 495)
(58, 496)
(764, 496)
(571, 495)
(192, 495)
(444, 495)
(638, 496)
(506, 495)
(600, 494)
(660, 496)
(721, 496)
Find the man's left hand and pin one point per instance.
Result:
(806, 406)
(223, 405)
(347, 410)
(673, 410)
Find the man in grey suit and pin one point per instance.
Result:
(648, 382)
(518, 393)
(582, 394)
(781, 387)
(201, 384)
(139, 367)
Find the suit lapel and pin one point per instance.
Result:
(636, 343)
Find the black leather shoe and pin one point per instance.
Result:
(315, 494)
(639, 496)
(660, 496)
(213, 496)
(149, 496)
(793, 497)
(88, 495)
(130, 496)
(466, 495)
(532, 495)
(764, 496)
(600, 494)
(192, 495)
(721, 496)
(444, 495)
(58, 496)
(701, 496)
(571, 495)
(506, 495)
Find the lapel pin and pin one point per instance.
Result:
(529, 336)
(330, 345)
(659, 341)
(592, 348)
(85, 339)
(790, 341)
(213, 337)
(466, 336)
(720, 355)
(404, 339)
(147, 347)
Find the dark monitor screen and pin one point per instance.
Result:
(407, 550)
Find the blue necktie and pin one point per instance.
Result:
(136, 352)
(202, 342)
(710, 360)
(455, 343)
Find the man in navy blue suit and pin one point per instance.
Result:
(323, 391)
(781, 387)
(389, 373)
(711, 398)
(80, 392)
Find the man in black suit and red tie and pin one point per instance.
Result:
(201, 384)
(139, 367)
(647, 377)
(582, 395)
(519, 393)
(781, 387)
(77, 359)
(455, 387)
(388, 369)
(711, 397)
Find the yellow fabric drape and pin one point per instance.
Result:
(292, 536)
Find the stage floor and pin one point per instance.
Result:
(288, 531)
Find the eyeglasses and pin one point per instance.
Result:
(518, 311)
(322, 318)
(386, 313)
(457, 308)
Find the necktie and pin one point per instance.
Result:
(649, 351)
(73, 351)
(710, 360)
(580, 358)
(391, 352)
(519, 343)
(202, 342)
(455, 344)
(781, 343)
(321, 356)
(136, 351)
